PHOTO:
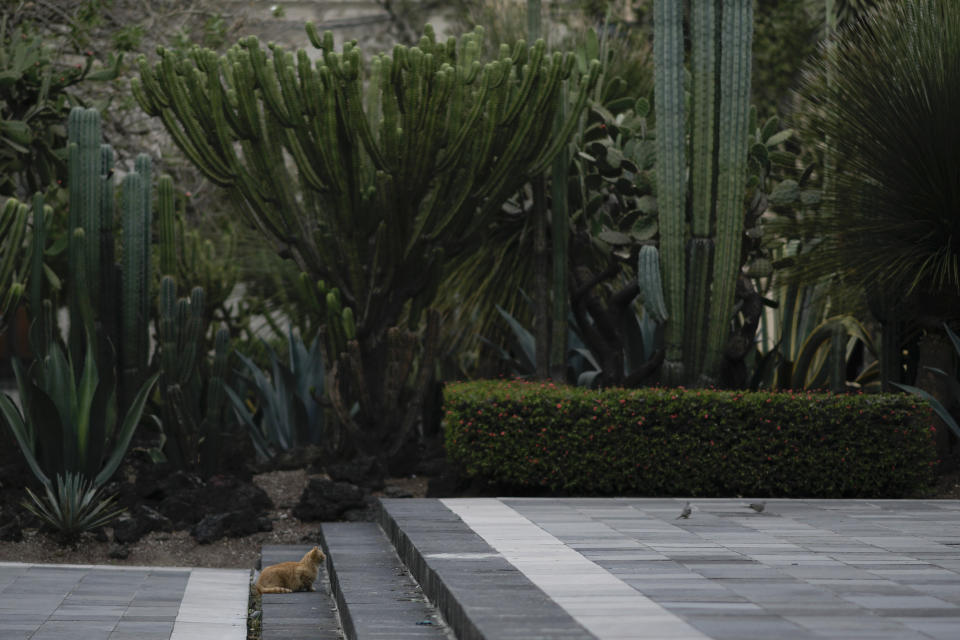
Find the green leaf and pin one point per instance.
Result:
(785, 193)
(127, 428)
(21, 431)
(614, 238)
(524, 340)
(940, 410)
(642, 107)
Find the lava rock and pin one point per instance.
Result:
(233, 524)
(138, 522)
(119, 551)
(297, 458)
(327, 500)
(220, 495)
(363, 471)
(11, 529)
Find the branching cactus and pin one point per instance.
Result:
(700, 247)
(369, 174)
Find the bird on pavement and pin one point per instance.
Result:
(687, 510)
(758, 506)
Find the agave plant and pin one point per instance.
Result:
(287, 412)
(76, 506)
(69, 423)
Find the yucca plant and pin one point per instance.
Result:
(76, 506)
(885, 96)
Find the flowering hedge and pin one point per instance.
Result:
(658, 441)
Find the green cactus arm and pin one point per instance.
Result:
(525, 89)
(267, 82)
(550, 152)
(703, 39)
(671, 166)
(144, 168)
(736, 39)
(697, 304)
(650, 283)
(13, 228)
(85, 192)
(166, 214)
(453, 153)
(216, 400)
(134, 284)
(38, 243)
(190, 134)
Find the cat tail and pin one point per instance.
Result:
(263, 590)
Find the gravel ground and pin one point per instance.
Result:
(179, 549)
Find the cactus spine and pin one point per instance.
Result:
(705, 264)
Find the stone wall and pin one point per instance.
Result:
(366, 21)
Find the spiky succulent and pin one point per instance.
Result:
(883, 98)
(75, 506)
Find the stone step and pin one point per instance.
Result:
(304, 614)
(376, 597)
(480, 594)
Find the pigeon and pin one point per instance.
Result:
(686, 512)
(758, 506)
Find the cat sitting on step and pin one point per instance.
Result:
(288, 577)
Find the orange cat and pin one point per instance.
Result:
(288, 577)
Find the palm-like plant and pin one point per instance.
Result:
(884, 95)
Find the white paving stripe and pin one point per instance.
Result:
(605, 605)
(214, 606)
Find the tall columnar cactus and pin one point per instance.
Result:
(705, 262)
(121, 315)
(84, 164)
(398, 164)
(135, 269)
(180, 337)
(671, 174)
(166, 226)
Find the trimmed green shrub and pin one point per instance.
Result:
(672, 441)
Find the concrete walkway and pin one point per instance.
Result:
(629, 568)
(552, 569)
(74, 602)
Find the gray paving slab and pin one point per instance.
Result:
(304, 614)
(800, 569)
(72, 602)
(479, 593)
(55, 601)
(376, 596)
